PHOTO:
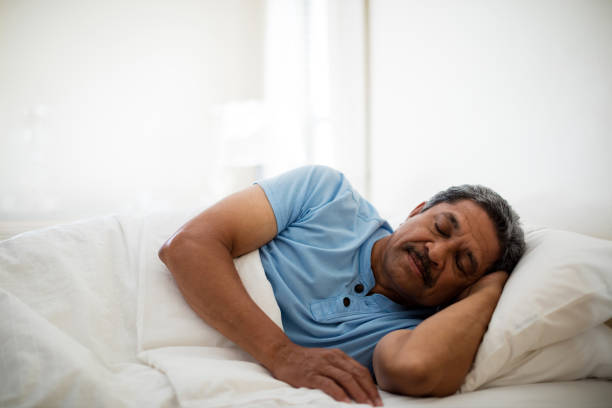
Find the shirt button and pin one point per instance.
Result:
(359, 288)
(346, 301)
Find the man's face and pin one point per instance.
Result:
(436, 254)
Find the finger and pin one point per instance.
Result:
(367, 383)
(330, 387)
(349, 384)
(363, 377)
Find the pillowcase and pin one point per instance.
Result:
(561, 288)
(164, 318)
(588, 354)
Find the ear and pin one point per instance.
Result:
(417, 209)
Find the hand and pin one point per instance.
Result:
(329, 370)
(494, 280)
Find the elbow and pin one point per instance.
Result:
(162, 253)
(185, 252)
(169, 247)
(410, 374)
(404, 376)
(176, 248)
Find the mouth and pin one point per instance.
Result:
(415, 265)
(420, 267)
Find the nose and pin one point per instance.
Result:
(440, 251)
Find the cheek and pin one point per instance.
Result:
(397, 265)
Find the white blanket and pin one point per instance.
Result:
(68, 327)
(90, 316)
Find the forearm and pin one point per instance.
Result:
(451, 339)
(435, 357)
(206, 276)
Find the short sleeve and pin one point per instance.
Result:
(295, 193)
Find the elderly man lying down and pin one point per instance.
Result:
(361, 304)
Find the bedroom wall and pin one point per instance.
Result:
(516, 95)
(145, 106)
(105, 106)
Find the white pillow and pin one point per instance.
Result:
(561, 288)
(586, 355)
(164, 318)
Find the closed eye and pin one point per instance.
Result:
(444, 234)
(460, 266)
(467, 269)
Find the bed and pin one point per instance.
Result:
(90, 316)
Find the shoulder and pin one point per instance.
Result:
(320, 174)
(310, 175)
(328, 184)
(331, 185)
(317, 181)
(298, 192)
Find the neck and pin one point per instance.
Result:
(376, 262)
(382, 285)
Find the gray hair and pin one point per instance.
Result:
(506, 220)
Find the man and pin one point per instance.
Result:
(356, 298)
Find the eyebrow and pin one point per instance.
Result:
(453, 220)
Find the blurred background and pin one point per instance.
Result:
(138, 106)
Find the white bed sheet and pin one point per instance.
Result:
(74, 332)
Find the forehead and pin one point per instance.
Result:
(473, 224)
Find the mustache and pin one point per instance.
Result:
(425, 262)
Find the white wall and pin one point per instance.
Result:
(106, 105)
(134, 105)
(516, 95)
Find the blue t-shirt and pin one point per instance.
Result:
(319, 264)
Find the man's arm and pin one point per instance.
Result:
(200, 257)
(434, 358)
